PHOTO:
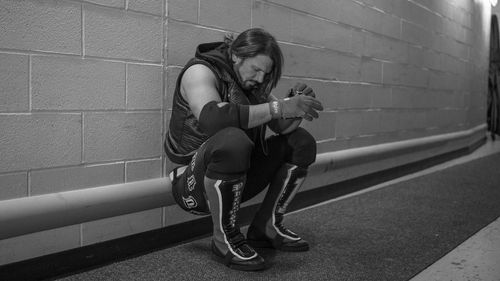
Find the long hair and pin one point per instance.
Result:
(257, 41)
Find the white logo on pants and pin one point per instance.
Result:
(190, 202)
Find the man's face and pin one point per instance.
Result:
(252, 71)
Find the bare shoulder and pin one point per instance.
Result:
(198, 74)
(198, 86)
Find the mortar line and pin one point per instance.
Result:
(126, 87)
(198, 15)
(82, 156)
(164, 58)
(125, 171)
(251, 14)
(83, 30)
(30, 89)
(28, 182)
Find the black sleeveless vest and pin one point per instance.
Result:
(184, 136)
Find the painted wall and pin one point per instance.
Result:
(86, 86)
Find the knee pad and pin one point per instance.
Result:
(303, 146)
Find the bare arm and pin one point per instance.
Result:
(198, 87)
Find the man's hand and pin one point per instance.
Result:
(303, 106)
(301, 89)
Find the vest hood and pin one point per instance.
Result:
(217, 53)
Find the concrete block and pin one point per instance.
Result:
(384, 5)
(53, 26)
(469, 36)
(445, 9)
(436, 23)
(143, 170)
(120, 226)
(325, 146)
(144, 86)
(118, 136)
(422, 98)
(406, 75)
(438, 42)
(415, 34)
(73, 178)
(352, 96)
(411, 120)
(357, 42)
(381, 97)
(416, 14)
(322, 8)
(371, 71)
(451, 28)
(226, 14)
(440, 98)
(109, 3)
(118, 34)
(39, 244)
(63, 83)
(276, 20)
(370, 121)
(455, 65)
(39, 141)
(352, 13)
(430, 4)
(412, 98)
(320, 63)
(347, 124)
(183, 38)
(13, 186)
(385, 48)
(388, 121)
(433, 60)
(172, 75)
(154, 7)
(438, 80)
(316, 32)
(323, 127)
(14, 83)
(387, 25)
(381, 23)
(456, 49)
(185, 10)
(402, 97)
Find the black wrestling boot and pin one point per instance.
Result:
(267, 230)
(228, 242)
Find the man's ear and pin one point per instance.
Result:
(235, 59)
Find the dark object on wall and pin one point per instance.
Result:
(493, 81)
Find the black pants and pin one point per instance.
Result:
(230, 154)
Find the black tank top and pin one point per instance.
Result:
(184, 136)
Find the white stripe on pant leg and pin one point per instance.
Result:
(273, 215)
(219, 197)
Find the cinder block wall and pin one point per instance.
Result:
(81, 99)
(86, 86)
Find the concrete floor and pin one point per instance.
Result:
(478, 258)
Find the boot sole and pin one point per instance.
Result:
(285, 248)
(235, 266)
